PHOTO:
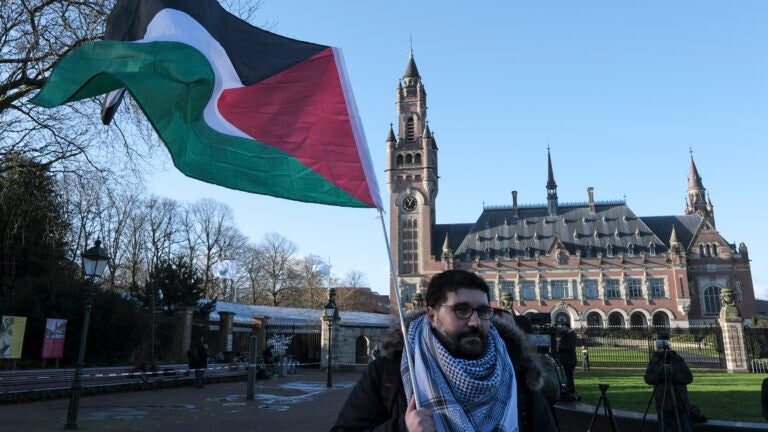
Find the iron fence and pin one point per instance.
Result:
(700, 346)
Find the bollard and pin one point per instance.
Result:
(252, 368)
(283, 366)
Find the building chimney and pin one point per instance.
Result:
(514, 203)
(590, 191)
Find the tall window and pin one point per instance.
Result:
(544, 288)
(410, 129)
(408, 290)
(559, 289)
(656, 286)
(528, 288)
(590, 288)
(492, 289)
(508, 286)
(612, 288)
(574, 288)
(410, 247)
(711, 300)
(635, 287)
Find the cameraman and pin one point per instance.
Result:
(670, 376)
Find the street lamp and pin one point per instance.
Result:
(94, 262)
(330, 316)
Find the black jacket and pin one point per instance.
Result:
(377, 403)
(666, 380)
(566, 349)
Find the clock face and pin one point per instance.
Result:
(409, 203)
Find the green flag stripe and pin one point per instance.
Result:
(172, 83)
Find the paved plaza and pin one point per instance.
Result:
(296, 402)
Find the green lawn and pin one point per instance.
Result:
(720, 395)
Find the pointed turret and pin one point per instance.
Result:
(391, 137)
(447, 251)
(674, 243)
(551, 187)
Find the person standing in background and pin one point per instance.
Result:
(202, 364)
(566, 355)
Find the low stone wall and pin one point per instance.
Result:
(577, 416)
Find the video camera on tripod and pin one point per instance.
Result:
(544, 335)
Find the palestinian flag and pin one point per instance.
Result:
(236, 106)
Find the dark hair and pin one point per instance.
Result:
(566, 324)
(451, 281)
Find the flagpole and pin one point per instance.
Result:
(406, 344)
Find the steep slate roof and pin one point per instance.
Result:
(292, 315)
(685, 227)
(456, 234)
(497, 232)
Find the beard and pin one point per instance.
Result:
(469, 344)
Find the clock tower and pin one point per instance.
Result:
(412, 183)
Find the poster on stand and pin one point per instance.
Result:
(53, 343)
(12, 336)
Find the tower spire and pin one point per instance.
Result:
(697, 193)
(551, 187)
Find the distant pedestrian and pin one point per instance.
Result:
(585, 358)
(566, 355)
(202, 364)
(191, 361)
(270, 359)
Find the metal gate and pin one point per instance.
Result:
(305, 340)
(757, 348)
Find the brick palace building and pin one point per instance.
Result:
(588, 263)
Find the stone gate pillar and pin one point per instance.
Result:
(225, 330)
(733, 334)
(183, 333)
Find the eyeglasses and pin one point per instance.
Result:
(464, 311)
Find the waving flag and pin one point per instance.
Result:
(225, 269)
(235, 105)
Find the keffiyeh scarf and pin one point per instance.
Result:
(479, 395)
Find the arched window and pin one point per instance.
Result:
(709, 250)
(711, 299)
(417, 158)
(660, 319)
(399, 160)
(714, 249)
(652, 249)
(701, 250)
(594, 320)
(631, 250)
(615, 320)
(609, 251)
(361, 350)
(562, 317)
(637, 320)
(408, 158)
(527, 252)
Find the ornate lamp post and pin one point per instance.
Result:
(95, 261)
(330, 316)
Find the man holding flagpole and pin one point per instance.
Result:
(471, 370)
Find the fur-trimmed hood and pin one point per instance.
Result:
(523, 355)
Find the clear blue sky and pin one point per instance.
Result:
(619, 90)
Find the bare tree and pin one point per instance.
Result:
(275, 259)
(313, 291)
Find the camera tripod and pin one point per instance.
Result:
(675, 394)
(607, 409)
